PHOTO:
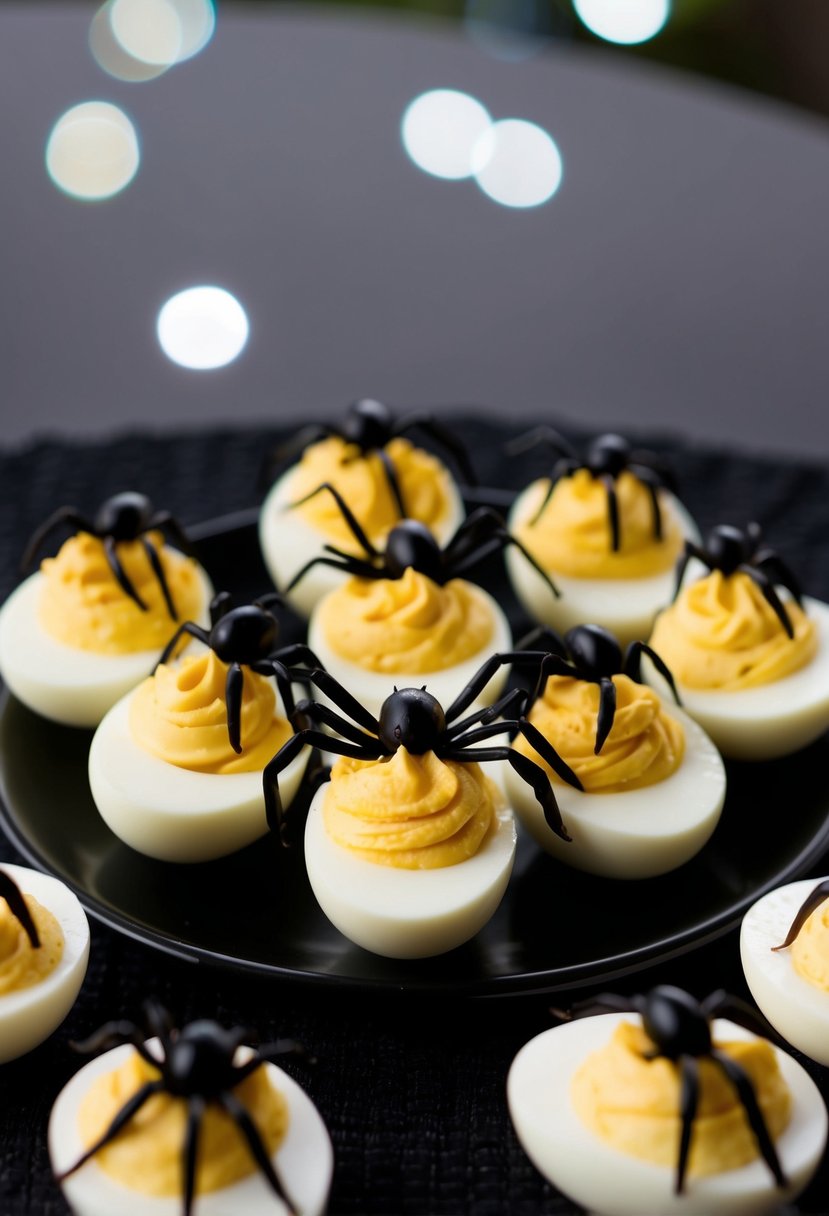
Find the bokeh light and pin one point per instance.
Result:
(137, 40)
(202, 328)
(92, 151)
(624, 21)
(517, 163)
(440, 130)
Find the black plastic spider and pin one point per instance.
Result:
(246, 636)
(410, 544)
(813, 900)
(591, 653)
(369, 425)
(124, 517)
(679, 1027)
(414, 719)
(13, 896)
(197, 1063)
(734, 551)
(607, 457)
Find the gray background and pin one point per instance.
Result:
(678, 279)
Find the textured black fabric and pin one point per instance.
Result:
(412, 1091)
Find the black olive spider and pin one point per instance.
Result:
(817, 896)
(246, 636)
(410, 544)
(734, 551)
(197, 1064)
(412, 718)
(608, 456)
(369, 426)
(592, 653)
(680, 1029)
(14, 897)
(124, 517)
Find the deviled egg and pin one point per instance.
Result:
(617, 1155)
(750, 659)
(141, 1171)
(90, 624)
(791, 984)
(381, 475)
(608, 531)
(39, 981)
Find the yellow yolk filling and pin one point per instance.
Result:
(424, 484)
(633, 1104)
(573, 535)
(83, 605)
(810, 949)
(721, 633)
(146, 1155)
(411, 812)
(180, 715)
(21, 966)
(644, 746)
(408, 624)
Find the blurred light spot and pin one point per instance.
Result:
(440, 130)
(625, 21)
(202, 327)
(137, 40)
(92, 151)
(517, 163)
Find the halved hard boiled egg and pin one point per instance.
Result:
(624, 605)
(408, 913)
(772, 719)
(288, 540)
(66, 683)
(635, 833)
(303, 1160)
(612, 1183)
(29, 1014)
(174, 813)
(796, 1007)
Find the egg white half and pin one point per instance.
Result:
(68, 685)
(288, 542)
(29, 1016)
(796, 1009)
(611, 1182)
(304, 1160)
(626, 607)
(171, 813)
(771, 720)
(634, 833)
(407, 913)
(372, 687)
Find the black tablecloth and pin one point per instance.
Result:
(412, 1090)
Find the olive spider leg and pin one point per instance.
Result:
(562, 468)
(691, 550)
(442, 436)
(165, 522)
(161, 578)
(770, 595)
(159, 1023)
(220, 605)
(277, 669)
(189, 627)
(688, 1100)
(545, 639)
(529, 771)
(653, 484)
(343, 699)
(813, 900)
(343, 562)
(633, 666)
(609, 483)
(779, 572)
(116, 1034)
(525, 658)
(243, 1120)
(541, 435)
(196, 1107)
(606, 714)
(722, 1004)
(515, 700)
(497, 544)
(64, 515)
(234, 685)
(290, 448)
(270, 1051)
(127, 1111)
(547, 752)
(348, 515)
(14, 897)
(551, 665)
(324, 715)
(392, 481)
(120, 574)
(748, 1098)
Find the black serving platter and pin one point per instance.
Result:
(556, 928)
